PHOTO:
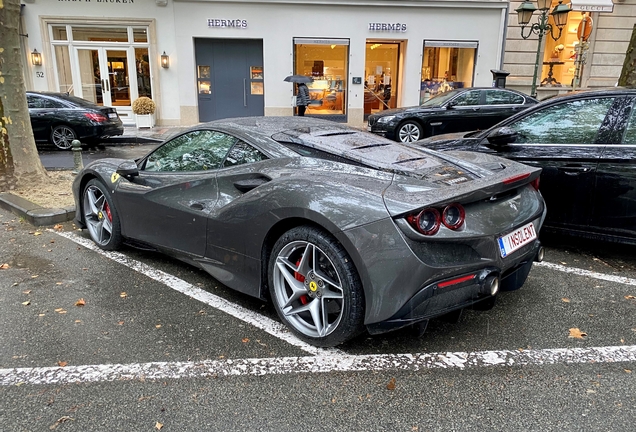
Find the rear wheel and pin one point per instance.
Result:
(409, 131)
(62, 136)
(101, 217)
(315, 287)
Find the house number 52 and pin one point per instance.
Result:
(39, 74)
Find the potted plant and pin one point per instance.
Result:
(144, 109)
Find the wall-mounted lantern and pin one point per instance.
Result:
(165, 60)
(36, 58)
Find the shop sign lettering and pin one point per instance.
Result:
(387, 27)
(98, 1)
(221, 23)
(592, 8)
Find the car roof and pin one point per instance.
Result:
(606, 91)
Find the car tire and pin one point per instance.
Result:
(409, 131)
(62, 137)
(101, 216)
(315, 287)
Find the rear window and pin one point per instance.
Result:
(77, 101)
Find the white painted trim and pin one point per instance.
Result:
(314, 364)
(587, 273)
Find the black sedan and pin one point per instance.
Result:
(59, 118)
(455, 111)
(340, 228)
(586, 144)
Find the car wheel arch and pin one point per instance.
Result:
(83, 182)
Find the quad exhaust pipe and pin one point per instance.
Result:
(540, 254)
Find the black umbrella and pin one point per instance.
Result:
(298, 79)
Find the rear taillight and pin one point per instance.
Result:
(427, 221)
(96, 117)
(453, 216)
(516, 178)
(535, 183)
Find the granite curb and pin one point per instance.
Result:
(33, 213)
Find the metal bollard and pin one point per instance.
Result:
(77, 156)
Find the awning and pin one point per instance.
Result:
(592, 5)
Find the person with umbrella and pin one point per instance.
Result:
(302, 93)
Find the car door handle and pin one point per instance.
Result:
(247, 185)
(197, 205)
(575, 169)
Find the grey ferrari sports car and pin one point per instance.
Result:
(343, 230)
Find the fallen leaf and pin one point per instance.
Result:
(58, 283)
(80, 302)
(158, 426)
(58, 227)
(41, 315)
(4, 266)
(123, 295)
(78, 321)
(564, 263)
(37, 233)
(26, 292)
(576, 333)
(62, 363)
(565, 300)
(628, 370)
(26, 303)
(158, 326)
(120, 322)
(34, 276)
(245, 340)
(60, 311)
(391, 384)
(630, 297)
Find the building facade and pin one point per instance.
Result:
(228, 59)
(610, 26)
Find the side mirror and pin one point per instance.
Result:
(451, 105)
(502, 136)
(128, 169)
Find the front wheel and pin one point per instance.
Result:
(62, 136)
(409, 131)
(315, 287)
(100, 216)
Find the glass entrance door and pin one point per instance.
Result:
(381, 80)
(104, 76)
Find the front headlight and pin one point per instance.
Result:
(385, 119)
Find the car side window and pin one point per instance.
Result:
(35, 102)
(500, 97)
(243, 153)
(572, 122)
(630, 131)
(467, 99)
(49, 103)
(199, 150)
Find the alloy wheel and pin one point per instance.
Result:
(62, 137)
(409, 133)
(98, 216)
(308, 289)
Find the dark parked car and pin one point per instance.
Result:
(586, 144)
(342, 229)
(455, 111)
(59, 118)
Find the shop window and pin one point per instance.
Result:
(559, 56)
(381, 76)
(59, 33)
(100, 34)
(326, 62)
(64, 74)
(446, 65)
(143, 72)
(140, 35)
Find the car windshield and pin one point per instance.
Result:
(440, 98)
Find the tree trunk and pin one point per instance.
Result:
(628, 75)
(19, 160)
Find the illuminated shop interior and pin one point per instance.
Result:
(381, 75)
(446, 67)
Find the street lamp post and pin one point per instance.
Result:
(542, 27)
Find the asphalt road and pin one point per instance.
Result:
(160, 344)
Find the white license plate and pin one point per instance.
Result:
(517, 239)
(112, 115)
(369, 128)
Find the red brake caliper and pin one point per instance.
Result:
(107, 210)
(303, 299)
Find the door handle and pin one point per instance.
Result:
(244, 92)
(197, 205)
(575, 169)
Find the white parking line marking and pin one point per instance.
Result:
(587, 273)
(314, 364)
(272, 327)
